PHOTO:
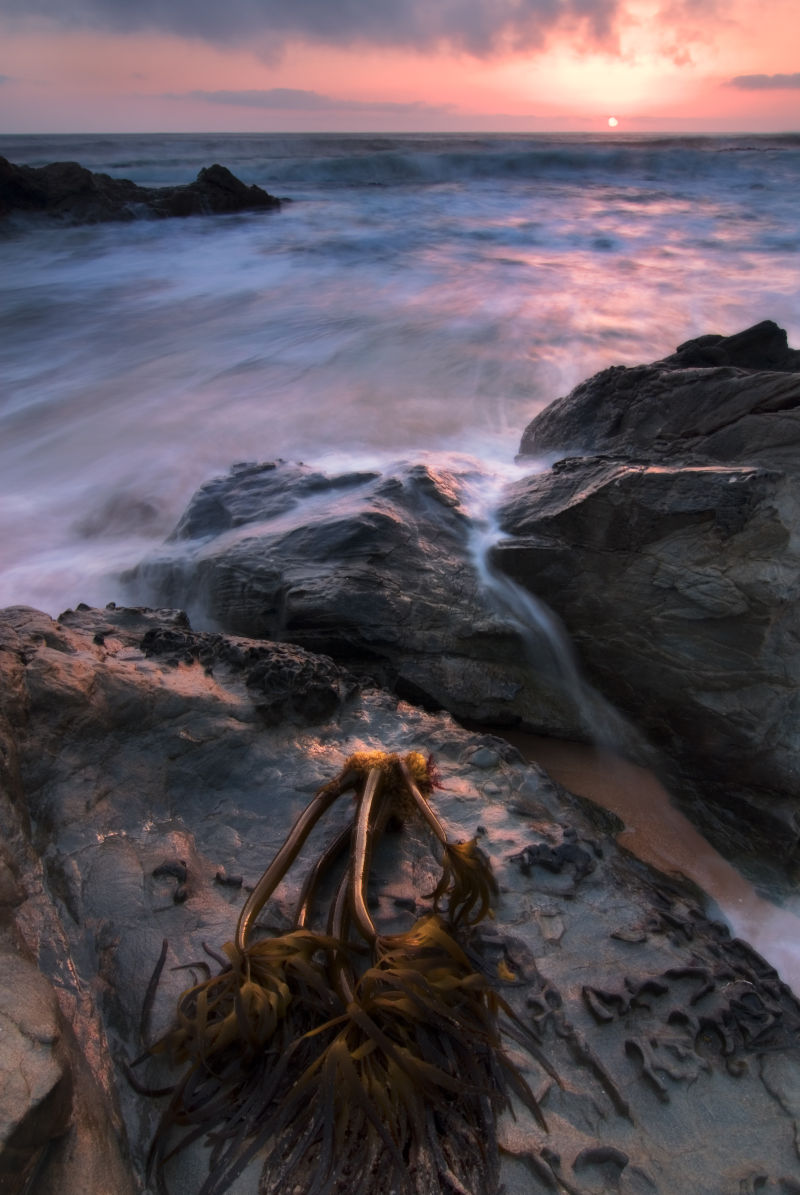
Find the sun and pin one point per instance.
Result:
(612, 122)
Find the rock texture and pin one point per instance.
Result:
(144, 791)
(667, 537)
(72, 194)
(718, 398)
(382, 571)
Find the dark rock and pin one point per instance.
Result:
(285, 682)
(214, 190)
(255, 493)
(764, 346)
(70, 193)
(555, 859)
(376, 570)
(671, 555)
(746, 409)
(675, 1046)
(386, 573)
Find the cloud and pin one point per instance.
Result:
(766, 82)
(480, 27)
(296, 99)
(275, 97)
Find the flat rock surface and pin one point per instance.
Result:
(144, 776)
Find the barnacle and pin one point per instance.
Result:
(345, 1073)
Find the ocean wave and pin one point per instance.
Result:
(329, 160)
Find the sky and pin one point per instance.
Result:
(399, 65)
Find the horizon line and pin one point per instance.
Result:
(609, 133)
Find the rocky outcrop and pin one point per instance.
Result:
(143, 793)
(667, 538)
(381, 570)
(70, 193)
(724, 399)
(36, 1103)
(664, 538)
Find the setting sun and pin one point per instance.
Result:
(612, 122)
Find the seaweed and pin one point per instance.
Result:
(346, 1059)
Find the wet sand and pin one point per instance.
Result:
(659, 834)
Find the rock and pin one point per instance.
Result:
(763, 347)
(670, 550)
(744, 407)
(143, 762)
(72, 194)
(377, 569)
(36, 1099)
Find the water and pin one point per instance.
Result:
(656, 831)
(542, 636)
(420, 293)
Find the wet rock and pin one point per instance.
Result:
(376, 570)
(70, 193)
(674, 1045)
(666, 539)
(568, 855)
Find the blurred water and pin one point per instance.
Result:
(419, 294)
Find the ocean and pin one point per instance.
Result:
(419, 294)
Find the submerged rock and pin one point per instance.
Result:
(138, 770)
(666, 538)
(70, 193)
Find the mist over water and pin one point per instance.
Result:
(420, 294)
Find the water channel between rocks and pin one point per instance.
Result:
(659, 834)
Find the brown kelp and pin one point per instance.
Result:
(347, 1059)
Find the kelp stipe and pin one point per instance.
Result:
(467, 881)
(350, 1061)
